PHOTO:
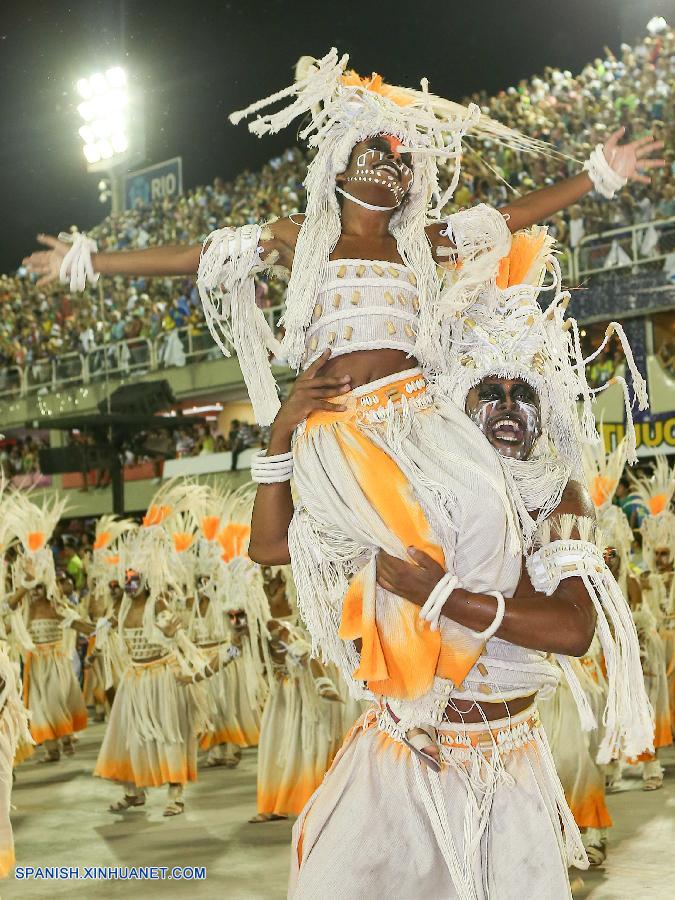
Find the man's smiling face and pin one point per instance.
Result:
(508, 412)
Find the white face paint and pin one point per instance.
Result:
(375, 167)
(511, 429)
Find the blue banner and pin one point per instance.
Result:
(154, 183)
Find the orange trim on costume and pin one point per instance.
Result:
(233, 539)
(376, 85)
(102, 540)
(525, 248)
(181, 541)
(210, 526)
(7, 861)
(590, 811)
(657, 504)
(36, 540)
(122, 770)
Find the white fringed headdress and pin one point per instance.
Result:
(655, 493)
(602, 475)
(344, 109)
(507, 334)
(31, 526)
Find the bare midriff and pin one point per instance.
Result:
(364, 366)
(468, 711)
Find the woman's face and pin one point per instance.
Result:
(377, 173)
(508, 413)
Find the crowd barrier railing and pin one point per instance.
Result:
(631, 247)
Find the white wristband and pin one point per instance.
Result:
(498, 619)
(272, 469)
(77, 266)
(432, 609)
(605, 180)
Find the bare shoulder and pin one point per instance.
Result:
(575, 500)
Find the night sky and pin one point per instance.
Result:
(196, 62)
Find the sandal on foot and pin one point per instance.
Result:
(50, 756)
(126, 803)
(69, 749)
(596, 854)
(259, 818)
(174, 808)
(653, 783)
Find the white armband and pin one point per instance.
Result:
(627, 718)
(77, 266)
(558, 560)
(230, 257)
(605, 180)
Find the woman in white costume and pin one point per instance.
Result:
(43, 625)
(391, 463)
(298, 738)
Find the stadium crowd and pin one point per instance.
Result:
(572, 112)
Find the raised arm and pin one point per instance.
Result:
(273, 507)
(627, 160)
(561, 623)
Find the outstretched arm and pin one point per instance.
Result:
(170, 260)
(273, 507)
(562, 623)
(628, 160)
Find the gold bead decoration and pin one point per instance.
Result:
(402, 299)
(314, 343)
(342, 271)
(388, 297)
(347, 334)
(331, 337)
(356, 296)
(318, 309)
(409, 330)
(391, 328)
(337, 300)
(416, 303)
(360, 271)
(412, 278)
(378, 270)
(393, 272)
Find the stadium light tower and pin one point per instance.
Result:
(112, 133)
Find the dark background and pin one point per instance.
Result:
(198, 61)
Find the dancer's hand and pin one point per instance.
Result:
(630, 160)
(168, 625)
(412, 581)
(309, 393)
(47, 263)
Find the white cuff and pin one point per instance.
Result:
(605, 180)
(77, 266)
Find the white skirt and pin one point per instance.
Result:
(52, 693)
(492, 824)
(151, 738)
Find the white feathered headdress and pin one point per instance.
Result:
(655, 493)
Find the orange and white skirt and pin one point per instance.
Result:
(656, 685)
(151, 738)
(13, 734)
(582, 778)
(237, 691)
(52, 694)
(492, 823)
(296, 746)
